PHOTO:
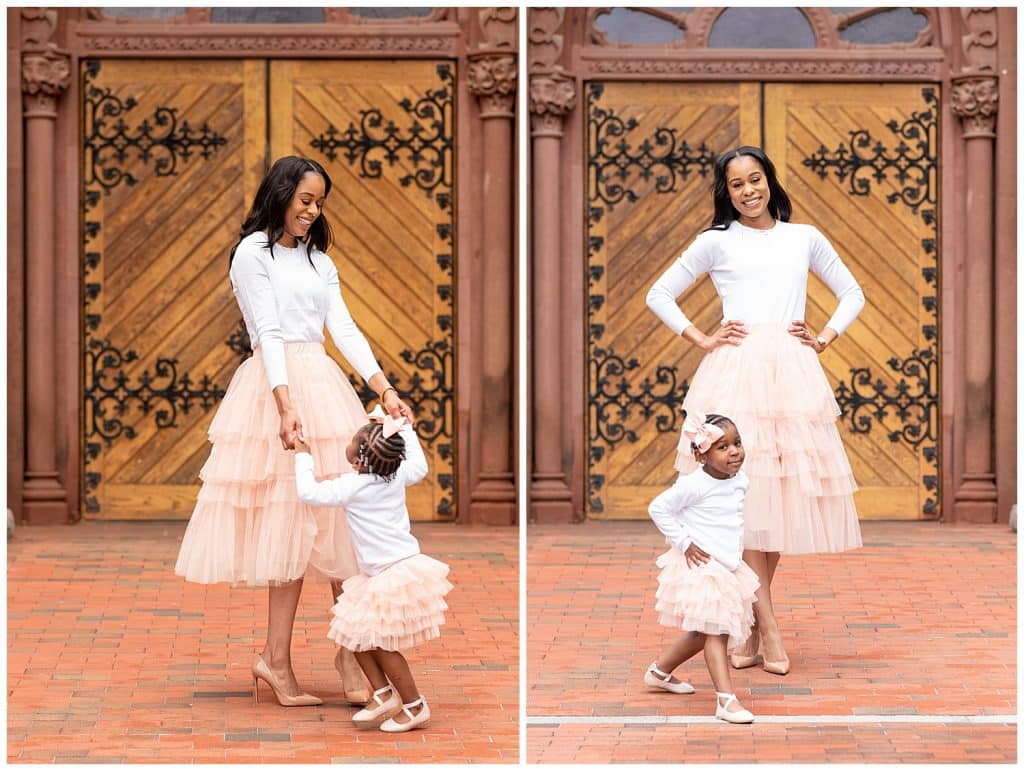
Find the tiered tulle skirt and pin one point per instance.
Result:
(396, 609)
(801, 486)
(710, 598)
(248, 525)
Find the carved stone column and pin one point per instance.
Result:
(492, 79)
(45, 74)
(552, 96)
(974, 101)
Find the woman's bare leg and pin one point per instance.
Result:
(277, 652)
(764, 565)
(349, 669)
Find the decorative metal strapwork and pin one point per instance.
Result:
(107, 389)
(914, 402)
(158, 138)
(427, 145)
(613, 164)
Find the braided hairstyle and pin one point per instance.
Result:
(719, 421)
(378, 455)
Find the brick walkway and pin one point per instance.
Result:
(113, 658)
(893, 646)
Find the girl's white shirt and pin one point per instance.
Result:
(284, 299)
(706, 511)
(375, 510)
(760, 275)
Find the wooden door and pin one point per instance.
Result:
(649, 150)
(173, 152)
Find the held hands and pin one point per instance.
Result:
(394, 405)
(696, 556)
(802, 332)
(291, 429)
(729, 333)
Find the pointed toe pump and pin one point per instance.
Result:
(260, 671)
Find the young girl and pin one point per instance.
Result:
(704, 587)
(397, 600)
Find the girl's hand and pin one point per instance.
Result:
(729, 333)
(696, 556)
(802, 332)
(300, 445)
(394, 405)
(291, 429)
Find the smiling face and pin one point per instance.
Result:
(306, 205)
(724, 458)
(748, 190)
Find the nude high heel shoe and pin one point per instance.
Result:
(740, 661)
(356, 697)
(260, 671)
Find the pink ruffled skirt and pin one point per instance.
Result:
(801, 485)
(398, 608)
(248, 525)
(710, 599)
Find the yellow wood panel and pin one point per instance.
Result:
(160, 249)
(389, 231)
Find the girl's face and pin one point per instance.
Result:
(307, 204)
(748, 190)
(724, 458)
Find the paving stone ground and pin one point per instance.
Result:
(919, 625)
(112, 658)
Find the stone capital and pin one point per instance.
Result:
(552, 96)
(491, 79)
(975, 101)
(45, 75)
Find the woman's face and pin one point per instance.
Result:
(748, 190)
(307, 204)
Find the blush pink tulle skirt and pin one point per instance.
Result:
(710, 599)
(801, 485)
(398, 608)
(248, 525)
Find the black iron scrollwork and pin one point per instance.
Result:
(239, 342)
(912, 406)
(427, 143)
(612, 161)
(159, 138)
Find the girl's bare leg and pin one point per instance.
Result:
(683, 649)
(277, 651)
(718, 666)
(368, 663)
(397, 670)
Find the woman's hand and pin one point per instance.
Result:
(729, 333)
(802, 332)
(696, 556)
(394, 406)
(291, 429)
(300, 445)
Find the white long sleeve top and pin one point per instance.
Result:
(760, 275)
(706, 511)
(375, 510)
(284, 299)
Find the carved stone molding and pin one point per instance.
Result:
(492, 79)
(45, 75)
(979, 42)
(813, 65)
(498, 28)
(172, 42)
(543, 38)
(975, 101)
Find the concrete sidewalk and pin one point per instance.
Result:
(903, 651)
(112, 658)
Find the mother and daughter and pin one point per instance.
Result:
(761, 378)
(261, 517)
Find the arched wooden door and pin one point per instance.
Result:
(172, 153)
(860, 162)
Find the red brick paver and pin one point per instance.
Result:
(921, 623)
(113, 658)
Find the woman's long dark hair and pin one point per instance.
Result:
(778, 204)
(273, 199)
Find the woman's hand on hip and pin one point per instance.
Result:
(696, 556)
(394, 405)
(802, 332)
(729, 333)
(291, 429)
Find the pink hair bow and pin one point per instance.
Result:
(390, 426)
(700, 433)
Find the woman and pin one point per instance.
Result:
(762, 370)
(248, 524)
